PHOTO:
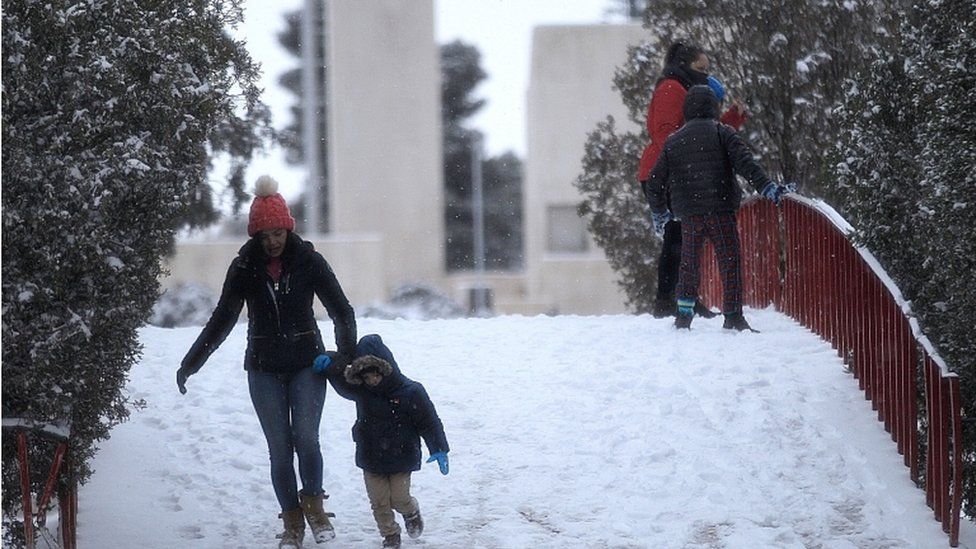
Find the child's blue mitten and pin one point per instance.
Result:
(441, 459)
(660, 220)
(321, 363)
(775, 191)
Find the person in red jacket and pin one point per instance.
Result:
(685, 65)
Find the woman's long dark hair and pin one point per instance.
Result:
(682, 53)
(677, 64)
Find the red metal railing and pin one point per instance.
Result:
(35, 522)
(799, 259)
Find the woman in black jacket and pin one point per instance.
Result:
(278, 275)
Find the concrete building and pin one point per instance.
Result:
(570, 91)
(386, 173)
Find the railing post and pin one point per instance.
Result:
(937, 452)
(955, 404)
(913, 449)
(25, 488)
(945, 419)
(887, 362)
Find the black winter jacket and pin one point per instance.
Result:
(282, 334)
(698, 164)
(391, 417)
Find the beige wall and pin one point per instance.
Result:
(385, 167)
(356, 260)
(570, 91)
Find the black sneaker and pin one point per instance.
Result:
(683, 321)
(664, 307)
(392, 541)
(703, 311)
(414, 524)
(735, 321)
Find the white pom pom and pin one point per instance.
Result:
(265, 186)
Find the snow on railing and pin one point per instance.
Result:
(800, 259)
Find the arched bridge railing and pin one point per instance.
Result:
(799, 258)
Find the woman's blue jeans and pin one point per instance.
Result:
(289, 407)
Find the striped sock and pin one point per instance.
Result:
(686, 307)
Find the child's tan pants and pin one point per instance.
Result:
(386, 494)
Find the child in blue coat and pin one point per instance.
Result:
(393, 413)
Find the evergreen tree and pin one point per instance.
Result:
(291, 137)
(461, 73)
(906, 176)
(786, 60)
(503, 213)
(617, 213)
(110, 110)
(629, 9)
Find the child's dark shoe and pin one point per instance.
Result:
(683, 321)
(414, 524)
(737, 322)
(392, 541)
(703, 311)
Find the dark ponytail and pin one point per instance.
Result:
(682, 54)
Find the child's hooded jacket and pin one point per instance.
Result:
(390, 417)
(698, 163)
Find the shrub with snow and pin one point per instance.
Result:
(184, 305)
(415, 302)
(110, 110)
(906, 179)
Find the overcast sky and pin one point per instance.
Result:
(500, 29)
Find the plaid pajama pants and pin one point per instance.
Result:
(722, 230)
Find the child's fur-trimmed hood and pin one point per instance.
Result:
(364, 363)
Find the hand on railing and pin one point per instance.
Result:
(774, 191)
(660, 220)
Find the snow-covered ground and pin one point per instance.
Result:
(613, 431)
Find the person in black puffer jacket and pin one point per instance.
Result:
(279, 275)
(698, 167)
(393, 413)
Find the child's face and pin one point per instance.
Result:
(701, 63)
(372, 378)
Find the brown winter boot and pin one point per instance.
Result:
(414, 524)
(294, 532)
(317, 518)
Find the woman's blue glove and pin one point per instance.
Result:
(774, 191)
(321, 363)
(441, 459)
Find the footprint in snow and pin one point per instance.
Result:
(191, 532)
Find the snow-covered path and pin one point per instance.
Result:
(612, 431)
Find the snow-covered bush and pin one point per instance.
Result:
(906, 179)
(617, 213)
(110, 110)
(415, 302)
(184, 305)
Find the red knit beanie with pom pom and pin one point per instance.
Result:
(268, 211)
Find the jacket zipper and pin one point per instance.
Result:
(274, 301)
